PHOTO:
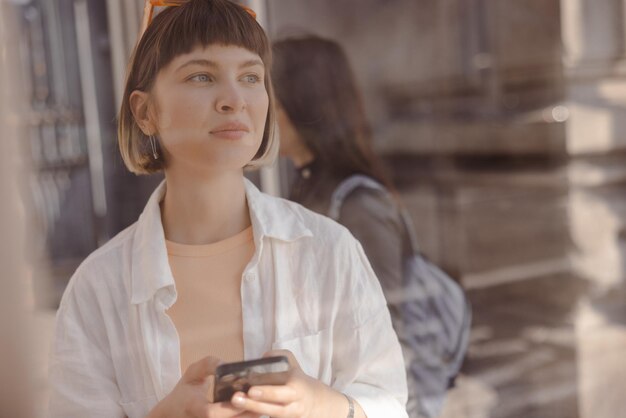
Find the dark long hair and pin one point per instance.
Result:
(315, 85)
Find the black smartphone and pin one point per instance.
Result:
(240, 376)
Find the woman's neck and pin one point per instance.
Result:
(204, 209)
(297, 151)
(303, 158)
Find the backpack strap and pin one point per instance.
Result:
(346, 187)
(355, 181)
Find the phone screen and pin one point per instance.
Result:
(240, 376)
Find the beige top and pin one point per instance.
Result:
(207, 313)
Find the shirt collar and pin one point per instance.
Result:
(150, 271)
(274, 217)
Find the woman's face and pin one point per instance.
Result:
(210, 108)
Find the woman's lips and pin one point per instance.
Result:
(230, 134)
(233, 131)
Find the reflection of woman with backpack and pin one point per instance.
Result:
(324, 131)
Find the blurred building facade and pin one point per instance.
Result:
(73, 55)
(489, 113)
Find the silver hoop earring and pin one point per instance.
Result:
(155, 155)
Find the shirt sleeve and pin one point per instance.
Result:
(81, 375)
(367, 357)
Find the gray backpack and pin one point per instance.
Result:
(435, 316)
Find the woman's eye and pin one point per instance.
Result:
(252, 78)
(202, 78)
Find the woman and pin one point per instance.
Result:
(215, 270)
(324, 132)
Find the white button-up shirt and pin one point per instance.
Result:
(308, 288)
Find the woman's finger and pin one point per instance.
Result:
(198, 372)
(240, 400)
(282, 394)
(214, 410)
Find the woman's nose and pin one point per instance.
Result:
(230, 100)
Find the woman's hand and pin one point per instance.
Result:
(189, 398)
(302, 396)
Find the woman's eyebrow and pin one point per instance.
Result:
(202, 62)
(251, 63)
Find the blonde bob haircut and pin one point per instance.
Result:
(176, 31)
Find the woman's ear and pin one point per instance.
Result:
(140, 107)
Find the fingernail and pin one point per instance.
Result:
(255, 393)
(238, 400)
